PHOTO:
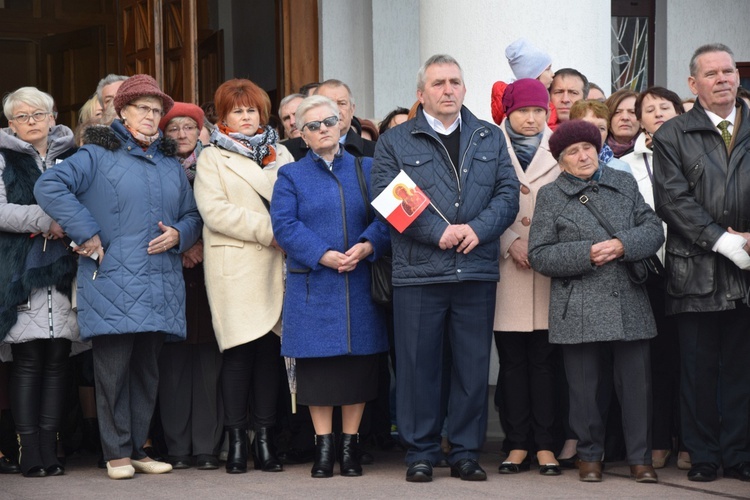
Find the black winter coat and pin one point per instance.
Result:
(700, 190)
(483, 195)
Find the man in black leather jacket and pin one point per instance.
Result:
(702, 191)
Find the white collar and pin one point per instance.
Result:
(438, 126)
(716, 119)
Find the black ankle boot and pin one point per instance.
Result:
(349, 455)
(48, 447)
(237, 454)
(264, 451)
(325, 456)
(30, 456)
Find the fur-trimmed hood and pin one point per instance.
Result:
(113, 137)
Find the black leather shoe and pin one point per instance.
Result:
(30, 455)
(264, 451)
(237, 454)
(179, 462)
(468, 469)
(48, 450)
(740, 471)
(8, 466)
(511, 468)
(325, 456)
(206, 462)
(549, 470)
(419, 472)
(569, 463)
(704, 472)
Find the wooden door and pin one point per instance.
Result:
(298, 28)
(71, 65)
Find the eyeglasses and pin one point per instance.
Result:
(38, 116)
(145, 110)
(185, 128)
(315, 126)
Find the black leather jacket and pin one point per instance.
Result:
(699, 191)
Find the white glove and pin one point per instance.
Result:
(732, 247)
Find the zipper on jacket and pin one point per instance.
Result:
(346, 275)
(49, 312)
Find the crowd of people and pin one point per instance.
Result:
(173, 272)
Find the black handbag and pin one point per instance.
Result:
(648, 271)
(381, 270)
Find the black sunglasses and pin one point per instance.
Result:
(315, 126)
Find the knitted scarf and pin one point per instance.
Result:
(189, 162)
(261, 148)
(618, 148)
(606, 154)
(26, 264)
(524, 146)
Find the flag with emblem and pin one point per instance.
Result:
(401, 202)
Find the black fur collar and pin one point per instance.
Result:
(106, 137)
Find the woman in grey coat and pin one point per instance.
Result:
(596, 312)
(36, 276)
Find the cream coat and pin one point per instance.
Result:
(244, 273)
(522, 302)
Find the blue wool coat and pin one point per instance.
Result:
(111, 187)
(315, 210)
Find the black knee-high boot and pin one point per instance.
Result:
(30, 456)
(48, 447)
(325, 456)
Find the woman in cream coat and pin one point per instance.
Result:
(244, 266)
(526, 381)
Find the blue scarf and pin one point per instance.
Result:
(606, 154)
(524, 146)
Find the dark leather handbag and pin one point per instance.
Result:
(648, 271)
(381, 282)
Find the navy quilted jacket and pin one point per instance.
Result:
(118, 191)
(483, 195)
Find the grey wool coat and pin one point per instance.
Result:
(590, 303)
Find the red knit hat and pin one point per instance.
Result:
(140, 86)
(183, 109)
(573, 132)
(526, 92)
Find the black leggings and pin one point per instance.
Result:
(38, 384)
(250, 374)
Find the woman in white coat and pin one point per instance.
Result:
(243, 265)
(526, 380)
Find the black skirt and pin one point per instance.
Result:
(336, 381)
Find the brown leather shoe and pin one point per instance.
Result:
(643, 474)
(589, 472)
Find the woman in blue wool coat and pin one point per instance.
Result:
(330, 323)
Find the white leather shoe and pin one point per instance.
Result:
(121, 472)
(151, 467)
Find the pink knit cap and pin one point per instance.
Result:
(140, 86)
(526, 92)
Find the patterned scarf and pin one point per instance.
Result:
(524, 146)
(142, 140)
(189, 162)
(606, 154)
(618, 148)
(261, 148)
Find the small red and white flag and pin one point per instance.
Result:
(401, 202)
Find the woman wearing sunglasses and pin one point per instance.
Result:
(331, 325)
(243, 265)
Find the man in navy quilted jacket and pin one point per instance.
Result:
(445, 267)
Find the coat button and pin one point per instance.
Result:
(259, 247)
(456, 204)
(595, 189)
(526, 221)
(525, 190)
(484, 157)
(416, 162)
(458, 270)
(465, 170)
(615, 294)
